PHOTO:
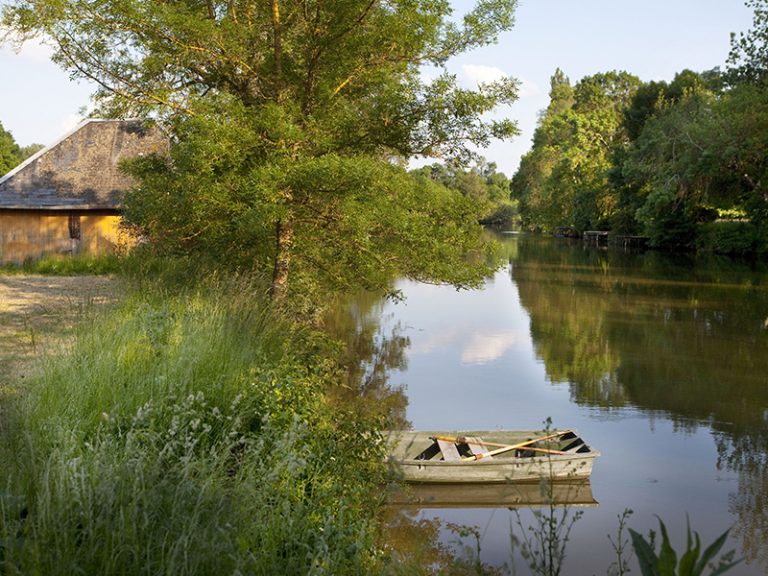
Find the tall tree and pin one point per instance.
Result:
(289, 115)
(748, 59)
(560, 93)
(563, 181)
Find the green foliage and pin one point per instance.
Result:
(748, 58)
(356, 221)
(504, 216)
(488, 189)
(654, 158)
(734, 238)
(677, 152)
(693, 562)
(288, 120)
(10, 153)
(620, 546)
(564, 179)
(27, 151)
(668, 221)
(699, 151)
(188, 435)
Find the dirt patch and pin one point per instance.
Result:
(35, 310)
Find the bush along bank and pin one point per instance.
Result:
(188, 435)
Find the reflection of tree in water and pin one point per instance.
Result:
(372, 349)
(568, 326)
(674, 335)
(746, 454)
(418, 547)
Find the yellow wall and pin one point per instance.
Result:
(30, 234)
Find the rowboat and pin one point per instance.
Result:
(490, 456)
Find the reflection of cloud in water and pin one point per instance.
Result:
(484, 348)
(434, 342)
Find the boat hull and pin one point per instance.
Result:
(501, 468)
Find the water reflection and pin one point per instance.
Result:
(519, 495)
(374, 346)
(641, 329)
(683, 337)
(661, 361)
(482, 348)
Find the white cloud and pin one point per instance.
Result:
(479, 73)
(484, 348)
(528, 89)
(435, 342)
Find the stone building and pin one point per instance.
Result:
(66, 198)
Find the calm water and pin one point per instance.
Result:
(661, 363)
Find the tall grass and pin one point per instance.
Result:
(188, 434)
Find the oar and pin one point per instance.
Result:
(465, 440)
(525, 444)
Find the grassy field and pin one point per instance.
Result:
(38, 312)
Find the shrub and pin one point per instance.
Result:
(728, 237)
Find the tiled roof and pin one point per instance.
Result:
(81, 170)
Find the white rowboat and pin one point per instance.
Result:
(491, 456)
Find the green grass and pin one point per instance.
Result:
(188, 434)
(66, 265)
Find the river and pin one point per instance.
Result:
(659, 361)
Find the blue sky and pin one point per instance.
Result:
(653, 39)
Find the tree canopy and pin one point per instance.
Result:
(290, 120)
(563, 180)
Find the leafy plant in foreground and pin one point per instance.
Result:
(692, 563)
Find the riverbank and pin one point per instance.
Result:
(182, 433)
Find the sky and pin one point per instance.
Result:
(653, 39)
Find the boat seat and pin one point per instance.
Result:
(574, 446)
(475, 444)
(449, 450)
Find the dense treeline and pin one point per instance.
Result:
(486, 187)
(682, 162)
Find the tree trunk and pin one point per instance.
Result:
(284, 247)
(277, 44)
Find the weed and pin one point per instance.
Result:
(621, 565)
